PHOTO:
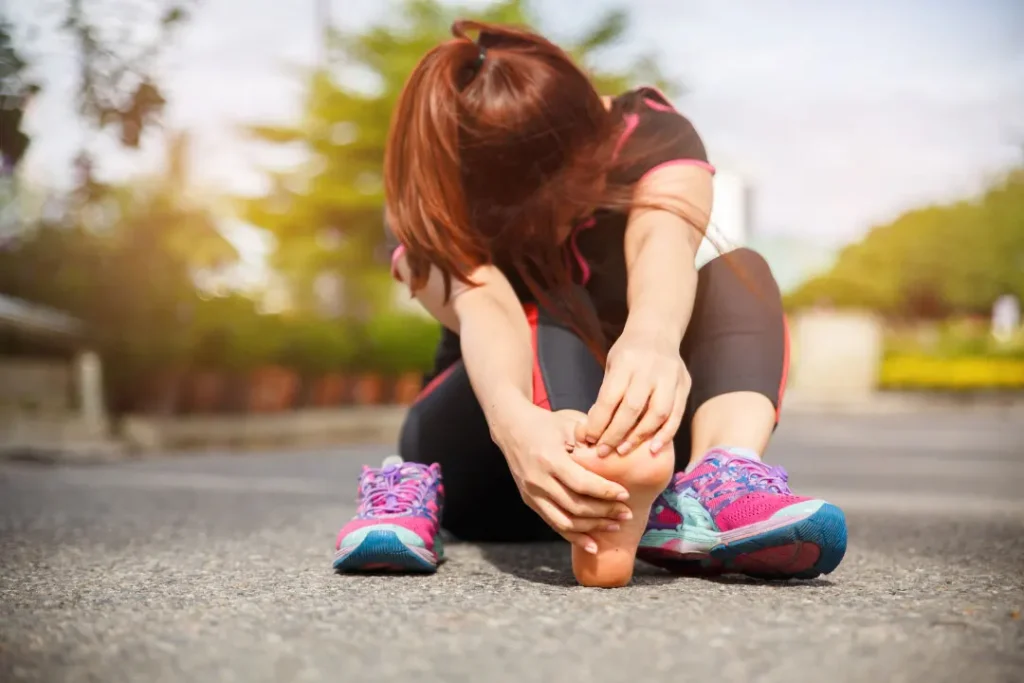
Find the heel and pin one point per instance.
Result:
(645, 477)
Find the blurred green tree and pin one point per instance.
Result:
(117, 47)
(124, 260)
(15, 93)
(326, 215)
(932, 262)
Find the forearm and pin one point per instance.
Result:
(494, 335)
(498, 353)
(662, 276)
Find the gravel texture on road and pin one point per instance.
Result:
(217, 568)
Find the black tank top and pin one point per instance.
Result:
(595, 247)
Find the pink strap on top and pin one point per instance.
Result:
(682, 162)
(584, 266)
(395, 255)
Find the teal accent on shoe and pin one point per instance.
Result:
(401, 533)
(381, 549)
(695, 515)
(657, 538)
(698, 531)
(705, 538)
(803, 509)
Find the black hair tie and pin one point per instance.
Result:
(471, 69)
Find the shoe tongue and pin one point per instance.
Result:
(392, 460)
(406, 470)
(719, 457)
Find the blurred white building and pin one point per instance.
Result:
(731, 213)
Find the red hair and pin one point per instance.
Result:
(496, 148)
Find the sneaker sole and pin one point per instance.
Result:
(383, 551)
(798, 549)
(803, 549)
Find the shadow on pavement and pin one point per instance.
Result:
(551, 564)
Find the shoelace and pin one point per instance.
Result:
(391, 490)
(758, 476)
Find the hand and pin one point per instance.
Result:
(570, 498)
(643, 396)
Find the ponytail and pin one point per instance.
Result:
(496, 148)
(423, 166)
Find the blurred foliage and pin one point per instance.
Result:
(123, 260)
(14, 93)
(126, 259)
(12, 65)
(933, 262)
(400, 343)
(956, 338)
(956, 374)
(228, 333)
(117, 45)
(327, 214)
(958, 354)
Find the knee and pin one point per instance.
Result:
(739, 272)
(743, 258)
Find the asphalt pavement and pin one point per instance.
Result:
(216, 567)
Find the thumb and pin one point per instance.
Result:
(573, 425)
(579, 434)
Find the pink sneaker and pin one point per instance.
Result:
(733, 513)
(398, 523)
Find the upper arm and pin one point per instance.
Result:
(673, 179)
(674, 199)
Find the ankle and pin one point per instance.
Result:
(738, 451)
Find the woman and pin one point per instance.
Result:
(584, 359)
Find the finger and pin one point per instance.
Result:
(583, 541)
(582, 481)
(671, 426)
(561, 523)
(613, 388)
(659, 409)
(573, 424)
(627, 415)
(580, 431)
(585, 507)
(564, 522)
(582, 525)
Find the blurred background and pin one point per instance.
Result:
(191, 196)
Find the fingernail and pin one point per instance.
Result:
(624, 496)
(625, 447)
(625, 516)
(655, 447)
(591, 440)
(612, 527)
(591, 548)
(603, 450)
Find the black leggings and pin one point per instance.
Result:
(736, 341)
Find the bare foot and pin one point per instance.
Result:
(644, 476)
